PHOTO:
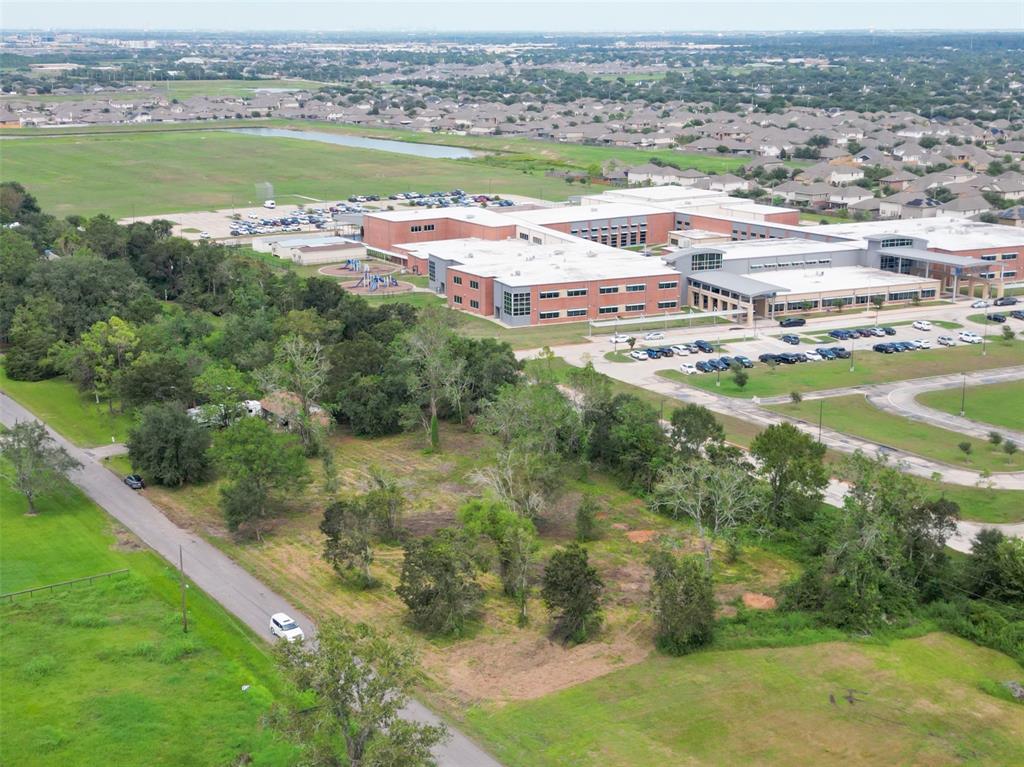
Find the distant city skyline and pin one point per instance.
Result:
(536, 16)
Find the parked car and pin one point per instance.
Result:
(996, 317)
(1017, 314)
(946, 341)
(653, 354)
(789, 338)
(704, 346)
(904, 346)
(825, 353)
(283, 627)
(969, 338)
(134, 481)
(654, 335)
(792, 322)
(1005, 301)
(744, 361)
(922, 325)
(638, 354)
(923, 343)
(727, 361)
(619, 338)
(839, 334)
(878, 332)
(864, 332)
(884, 348)
(813, 356)
(787, 358)
(979, 304)
(703, 367)
(840, 352)
(889, 331)
(666, 351)
(767, 357)
(681, 349)
(688, 368)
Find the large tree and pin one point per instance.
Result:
(683, 602)
(168, 447)
(101, 356)
(359, 681)
(299, 368)
(438, 582)
(694, 427)
(34, 462)
(793, 465)
(348, 547)
(572, 593)
(436, 372)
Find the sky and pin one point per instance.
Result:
(553, 16)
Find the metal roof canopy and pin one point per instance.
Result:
(648, 319)
(930, 256)
(737, 283)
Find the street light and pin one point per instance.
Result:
(853, 346)
(821, 412)
(963, 395)
(983, 337)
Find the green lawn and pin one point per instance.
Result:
(869, 368)
(104, 669)
(919, 702)
(981, 504)
(854, 415)
(180, 89)
(997, 404)
(75, 415)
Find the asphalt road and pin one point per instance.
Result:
(213, 571)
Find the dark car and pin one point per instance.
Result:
(826, 354)
(134, 481)
(840, 352)
(883, 348)
(703, 366)
(789, 338)
(666, 351)
(1005, 301)
(904, 346)
(744, 361)
(839, 334)
(792, 322)
(888, 330)
(727, 361)
(997, 317)
(768, 358)
(1017, 314)
(653, 354)
(716, 364)
(788, 359)
(865, 332)
(704, 346)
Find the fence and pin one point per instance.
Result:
(87, 579)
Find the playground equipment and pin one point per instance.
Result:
(374, 281)
(353, 265)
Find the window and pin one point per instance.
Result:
(608, 310)
(1008, 256)
(524, 236)
(516, 304)
(897, 242)
(416, 228)
(432, 271)
(457, 299)
(704, 261)
(927, 294)
(576, 313)
(474, 303)
(456, 279)
(549, 315)
(549, 294)
(421, 228)
(907, 295)
(635, 307)
(667, 304)
(668, 285)
(988, 258)
(428, 227)
(575, 292)
(635, 288)
(608, 289)
(1010, 273)
(474, 284)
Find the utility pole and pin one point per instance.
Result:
(983, 337)
(963, 395)
(821, 412)
(853, 346)
(181, 580)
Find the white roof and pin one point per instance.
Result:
(837, 278)
(659, 194)
(945, 232)
(754, 207)
(521, 263)
(459, 213)
(584, 212)
(793, 246)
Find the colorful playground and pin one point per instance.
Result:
(375, 277)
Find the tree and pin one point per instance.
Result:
(260, 462)
(1009, 571)
(965, 447)
(224, 387)
(739, 375)
(157, 377)
(586, 519)
(101, 356)
(299, 368)
(694, 427)
(717, 498)
(32, 333)
(359, 681)
(34, 462)
(438, 582)
(1007, 332)
(386, 504)
(168, 447)
(995, 437)
(793, 465)
(1009, 447)
(683, 602)
(572, 593)
(436, 371)
(347, 527)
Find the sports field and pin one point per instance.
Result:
(997, 404)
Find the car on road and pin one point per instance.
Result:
(638, 354)
(688, 368)
(204, 235)
(1005, 301)
(979, 304)
(704, 346)
(789, 338)
(283, 627)
(922, 325)
(840, 352)
(792, 322)
(969, 338)
(681, 349)
(654, 335)
(996, 317)
(744, 361)
(619, 338)
(884, 348)
(946, 341)
(134, 481)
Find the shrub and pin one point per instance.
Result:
(1009, 447)
(995, 437)
(795, 397)
(965, 447)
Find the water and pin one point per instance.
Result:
(433, 151)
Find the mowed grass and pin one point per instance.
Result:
(172, 171)
(72, 413)
(103, 671)
(982, 504)
(853, 414)
(998, 404)
(179, 89)
(918, 702)
(869, 368)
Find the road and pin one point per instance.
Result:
(250, 600)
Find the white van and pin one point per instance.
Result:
(269, 204)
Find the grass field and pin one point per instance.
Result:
(853, 414)
(179, 89)
(997, 404)
(58, 402)
(920, 703)
(104, 669)
(869, 368)
(980, 504)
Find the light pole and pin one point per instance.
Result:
(963, 395)
(821, 412)
(853, 346)
(983, 337)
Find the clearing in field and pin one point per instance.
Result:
(998, 404)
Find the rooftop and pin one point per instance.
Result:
(789, 247)
(839, 278)
(659, 194)
(459, 213)
(584, 212)
(517, 262)
(946, 232)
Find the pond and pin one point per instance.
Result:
(433, 151)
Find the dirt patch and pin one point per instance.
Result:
(420, 523)
(641, 536)
(758, 601)
(620, 526)
(126, 540)
(627, 585)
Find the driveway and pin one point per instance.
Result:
(250, 600)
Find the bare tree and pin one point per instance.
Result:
(523, 480)
(437, 374)
(300, 369)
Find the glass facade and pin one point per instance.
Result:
(516, 304)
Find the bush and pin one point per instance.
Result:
(169, 448)
(586, 519)
(1009, 447)
(965, 447)
(995, 437)
(1000, 627)
(795, 397)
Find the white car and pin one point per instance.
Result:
(813, 356)
(979, 304)
(946, 341)
(923, 343)
(970, 338)
(204, 235)
(877, 332)
(283, 627)
(619, 338)
(688, 368)
(654, 335)
(679, 350)
(922, 325)
(638, 355)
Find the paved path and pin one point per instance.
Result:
(213, 571)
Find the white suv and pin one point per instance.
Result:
(654, 335)
(619, 338)
(285, 628)
(922, 325)
(970, 338)
(688, 368)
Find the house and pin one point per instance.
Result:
(805, 194)
(898, 181)
(1013, 216)
(836, 175)
(972, 205)
(282, 407)
(847, 196)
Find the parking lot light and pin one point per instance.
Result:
(853, 346)
(963, 395)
